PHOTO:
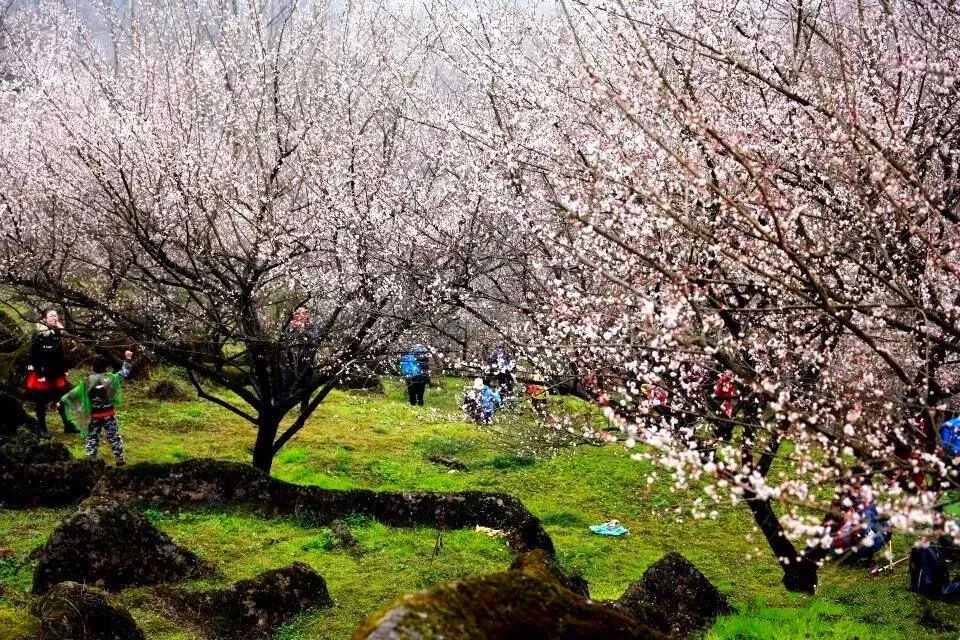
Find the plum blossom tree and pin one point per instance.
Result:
(192, 179)
(737, 219)
(757, 208)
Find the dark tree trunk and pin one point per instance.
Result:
(263, 451)
(799, 570)
(801, 576)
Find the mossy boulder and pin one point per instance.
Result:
(38, 473)
(108, 545)
(71, 611)
(673, 596)
(539, 563)
(447, 461)
(249, 608)
(168, 391)
(345, 539)
(205, 483)
(527, 602)
(12, 416)
(26, 448)
(191, 484)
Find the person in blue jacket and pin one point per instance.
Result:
(415, 369)
(950, 437)
(481, 402)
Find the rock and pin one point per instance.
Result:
(447, 461)
(362, 381)
(169, 391)
(250, 608)
(106, 544)
(191, 484)
(13, 416)
(70, 611)
(345, 539)
(673, 596)
(205, 483)
(441, 510)
(537, 562)
(26, 448)
(46, 485)
(524, 603)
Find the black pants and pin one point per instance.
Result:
(68, 426)
(504, 382)
(415, 389)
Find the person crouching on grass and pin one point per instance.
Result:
(94, 402)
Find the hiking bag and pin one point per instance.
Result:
(409, 366)
(928, 571)
(950, 435)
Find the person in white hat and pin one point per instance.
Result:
(481, 402)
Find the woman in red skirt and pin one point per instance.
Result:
(47, 373)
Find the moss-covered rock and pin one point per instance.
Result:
(191, 484)
(204, 483)
(108, 545)
(249, 608)
(71, 611)
(539, 563)
(345, 539)
(24, 485)
(13, 417)
(168, 391)
(447, 461)
(527, 602)
(26, 448)
(674, 597)
(362, 381)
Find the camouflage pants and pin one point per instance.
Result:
(112, 427)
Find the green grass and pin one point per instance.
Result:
(379, 441)
(394, 561)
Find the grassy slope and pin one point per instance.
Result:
(361, 440)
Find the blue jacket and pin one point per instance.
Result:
(489, 399)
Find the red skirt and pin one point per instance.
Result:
(35, 385)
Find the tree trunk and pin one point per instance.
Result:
(800, 576)
(799, 571)
(267, 426)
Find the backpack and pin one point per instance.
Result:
(928, 571)
(409, 366)
(950, 435)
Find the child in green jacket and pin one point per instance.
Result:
(94, 401)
